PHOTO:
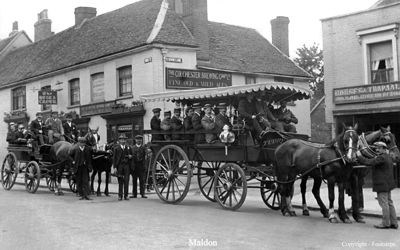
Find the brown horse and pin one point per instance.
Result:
(59, 153)
(331, 162)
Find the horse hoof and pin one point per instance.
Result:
(285, 212)
(106, 194)
(306, 213)
(292, 213)
(98, 194)
(333, 220)
(326, 215)
(346, 220)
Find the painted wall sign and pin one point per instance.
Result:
(97, 108)
(194, 79)
(367, 93)
(47, 97)
(173, 59)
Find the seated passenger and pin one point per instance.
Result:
(21, 135)
(286, 116)
(208, 123)
(222, 119)
(187, 123)
(155, 125)
(38, 129)
(11, 134)
(248, 111)
(166, 124)
(70, 130)
(55, 128)
(266, 117)
(196, 122)
(176, 124)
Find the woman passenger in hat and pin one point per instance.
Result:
(382, 183)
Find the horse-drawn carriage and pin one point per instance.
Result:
(34, 166)
(224, 170)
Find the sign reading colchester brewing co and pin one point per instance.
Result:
(367, 93)
(194, 79)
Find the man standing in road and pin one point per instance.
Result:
(122, 166)
(139, 155)
(82, 161)
(382, 183)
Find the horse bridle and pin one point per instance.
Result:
(348, 147)
(389, 133)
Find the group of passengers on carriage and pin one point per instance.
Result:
(203, 124)
(41, 132)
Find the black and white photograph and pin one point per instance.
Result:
(199, 124)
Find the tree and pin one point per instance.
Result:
(311, 60)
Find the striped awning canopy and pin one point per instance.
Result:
(276, 91)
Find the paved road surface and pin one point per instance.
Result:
(44, 221)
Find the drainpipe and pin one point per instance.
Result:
(164, 52)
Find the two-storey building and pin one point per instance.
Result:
(101, 65)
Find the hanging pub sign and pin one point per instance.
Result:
(367, 93)
(48, 97)
(194, 79)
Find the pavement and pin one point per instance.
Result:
(371, 206)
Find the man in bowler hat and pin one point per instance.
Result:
(82, 161)
(122, 166)
(70, 131)
(139, 154)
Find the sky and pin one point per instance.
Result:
(304, 28)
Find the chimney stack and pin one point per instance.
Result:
(195, 16)
(43, 26)
(82, 13)
(280, 33)
(14, 28)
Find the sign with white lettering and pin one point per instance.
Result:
(47, 97)
(194, 79)
(367, 93)
(173, 59)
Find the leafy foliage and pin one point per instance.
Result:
(311, 60)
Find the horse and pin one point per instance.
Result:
(357, 174)
(59, 153)
(101, 162)
(330, 162)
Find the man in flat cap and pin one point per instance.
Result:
(208, 123)
(166, 124)
(138, 165)
(70, 131)
(55, 128)
(122, 166)
(187, 123)
(221, 119)
(155, 125)
(176, 124)
(82, 161)
(196, 122)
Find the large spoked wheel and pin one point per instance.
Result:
(205, 177)
(51, 183)
(171, 171)
(230, 186)
(9, 171)
(269, 192)
(32, 176)
(72, 184)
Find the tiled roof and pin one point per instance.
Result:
(5, 42)
(123, 29)
(381, 3)
(245, 50)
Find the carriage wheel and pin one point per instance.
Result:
(269, 192)
(72, 184)
(32, 176)
(171, 171)
(9, 171)
(205, 177)
(230, 186)
(51, 183)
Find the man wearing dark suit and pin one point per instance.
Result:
(196, 122)
(138, 157)
(82, 161)
(247, 110)
(70, 132)
(12, 132)
(221, 119)
(122, 166)
(176, 124)
(187, 123)
(155, 125)
(38, 129)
